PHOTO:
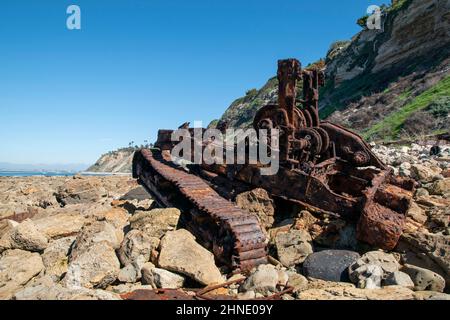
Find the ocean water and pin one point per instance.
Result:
(34, 173)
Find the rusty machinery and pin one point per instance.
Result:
(323, 167)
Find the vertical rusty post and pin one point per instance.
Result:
(289, 71)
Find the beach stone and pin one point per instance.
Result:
(329, 265)
(166, 279)
(180, 253)
(95, 267)
(147, 274)
(128, 274)
(157, 222)
(17, 268)
(293, 247)
(431, 295)
(297, 281)
(417, 214)
(399, 278)
(6, 242)
(424, 279)
(424, 173)
(263, 280)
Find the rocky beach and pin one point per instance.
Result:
(103, 238)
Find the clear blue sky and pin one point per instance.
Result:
(136, 66)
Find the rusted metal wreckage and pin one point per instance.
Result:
(323, 167)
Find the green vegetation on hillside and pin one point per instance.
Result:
(391, 126)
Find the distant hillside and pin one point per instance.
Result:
(382, 83)
(119, 161)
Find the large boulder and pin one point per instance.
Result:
(55, 257)
(157, 222)
(180, 253)
(27, 237)
(17, 268)
(77, 191)
(137, 243)
(60, 225)
(293, 247)
(259, 202)
(329, 265)
(95, 267)
(424, 279)
(96, 232)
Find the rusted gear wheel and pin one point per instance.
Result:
(314, 138)
(325, 139)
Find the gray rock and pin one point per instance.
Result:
(329, 265)
(17, 267)
(386, 261)
(424, 279)
(263, 280)
(95, 267)
(293, 247)
(180, 253)
(55, 257)
(136, 243)
(147, 274)
(399, 278)
(367, 276)
(166, 279)
(155, 223)
(128, 274)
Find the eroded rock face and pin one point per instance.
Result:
(95, 267)
(293, 247)
(329, 265)
(182, 254)
(155, 223)
(259, 202)
(17, 267)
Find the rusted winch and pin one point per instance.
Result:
(323, 166)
